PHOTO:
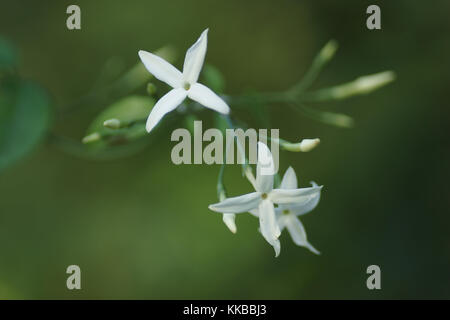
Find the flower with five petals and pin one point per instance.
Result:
(264, 198)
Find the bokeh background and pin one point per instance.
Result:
(139, 226)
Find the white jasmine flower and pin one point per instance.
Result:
(288, 213)
(265, 197)
(184, 84)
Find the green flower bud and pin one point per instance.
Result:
(112, 123)
(91, 138)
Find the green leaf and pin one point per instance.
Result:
(132, 113)
(25, 116)
(213, 78)
(8, 56)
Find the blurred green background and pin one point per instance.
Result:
(139, 227)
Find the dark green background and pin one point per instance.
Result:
(139, 227)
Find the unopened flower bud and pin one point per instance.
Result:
(303, 146)
(308, 144)
(91, 138)
(112, 123)
(359, 86)
(372, 82)
(328, 51)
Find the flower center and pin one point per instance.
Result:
(264, 196)
(187, 86)
(286, 211)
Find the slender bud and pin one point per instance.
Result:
(361, 85)
(372, 82)
(112, 123)
(91, 138)
(308, 144)
(337, 119)
(328, 51)
(320, 61)
(303, 146)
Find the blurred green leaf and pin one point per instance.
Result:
(131, 80)
(213, 78)
(131, 111)
(260, 112)
(8, 55)
(24, 119)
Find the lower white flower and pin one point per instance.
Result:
(287, 214)
(265, 197)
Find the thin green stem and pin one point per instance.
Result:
(319, 62)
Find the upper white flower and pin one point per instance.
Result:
(287, 214)
(184, 84)
(265, 197)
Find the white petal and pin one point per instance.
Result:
(294, 196)
(289, 180)
(254, 212)
(297, 232)
(195, 56)
(268, 222)
(277, 247)
(228, 219)
(280, 208)
(161, 69)
(167, 103)
(206, 97)
(301, 209)
(265, 169)
(238, 204)
(275, 244)
(281, 220)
